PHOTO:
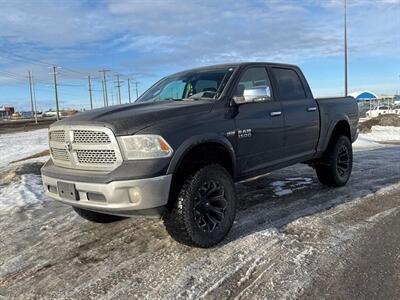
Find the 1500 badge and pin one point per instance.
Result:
(242, 133)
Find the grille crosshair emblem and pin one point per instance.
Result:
(68, 146)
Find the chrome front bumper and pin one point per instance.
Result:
(122, 198)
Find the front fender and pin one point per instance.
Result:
(196, 140)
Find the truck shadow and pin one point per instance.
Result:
(281, 197)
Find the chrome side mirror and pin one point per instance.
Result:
(256, 94)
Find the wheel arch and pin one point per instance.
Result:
(212, 141)
(341, 127)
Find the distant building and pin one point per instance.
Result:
(6, 112)
(387, 98)
(364, 96)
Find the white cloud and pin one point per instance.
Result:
(179, 33)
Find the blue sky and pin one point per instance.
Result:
(146, 40)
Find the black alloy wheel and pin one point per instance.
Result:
(210, 205)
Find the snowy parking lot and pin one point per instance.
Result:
(292, 237)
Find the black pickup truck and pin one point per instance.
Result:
(178, 150)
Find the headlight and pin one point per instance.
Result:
(144, 146)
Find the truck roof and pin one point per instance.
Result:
(233, 65)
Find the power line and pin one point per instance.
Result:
(71, 85)
(18, 77)
(40, 62)
(10, 75)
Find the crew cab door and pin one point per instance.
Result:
(259, 123)
(301, 115)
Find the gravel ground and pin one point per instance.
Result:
(293, 238)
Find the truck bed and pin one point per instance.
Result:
(331, 110)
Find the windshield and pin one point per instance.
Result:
(189, 86)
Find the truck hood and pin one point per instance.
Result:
(131, 118)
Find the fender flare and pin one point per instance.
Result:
(197, 140)
(332, 127)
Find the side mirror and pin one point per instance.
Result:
(256, 94)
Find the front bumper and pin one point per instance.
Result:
(123, 198)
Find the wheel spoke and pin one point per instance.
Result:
(218, 213)
(211, 221)
(210, 205)
(218, 201)
(343, 161)
(341, 171)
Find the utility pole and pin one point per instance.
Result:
(34, 99)
(90, 93)
(137, 90)
(55, 90)
(118, 82)
(345, 49)
(31, 93)
(104, 95)
(129, 90)
(104, 71)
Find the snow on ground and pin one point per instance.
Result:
(288, 225)
(383, 134)
(22, 193)
(363, 143)
(20, 183)
(274, 250)
(14, 146)
(378, 137)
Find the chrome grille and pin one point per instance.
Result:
(96, 156)
(60, 154)
(91, 137)
(84, 147)
(57, 136)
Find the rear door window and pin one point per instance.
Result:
(289, 84)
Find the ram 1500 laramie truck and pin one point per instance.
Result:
(177, 151)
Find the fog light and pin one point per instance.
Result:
(134, 195)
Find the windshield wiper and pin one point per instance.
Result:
(204, 95)
(173, 99)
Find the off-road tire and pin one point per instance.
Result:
(332, 170)
(188, 219)
(97, 217)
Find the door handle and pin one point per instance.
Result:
(312, 108)
(275, 113)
